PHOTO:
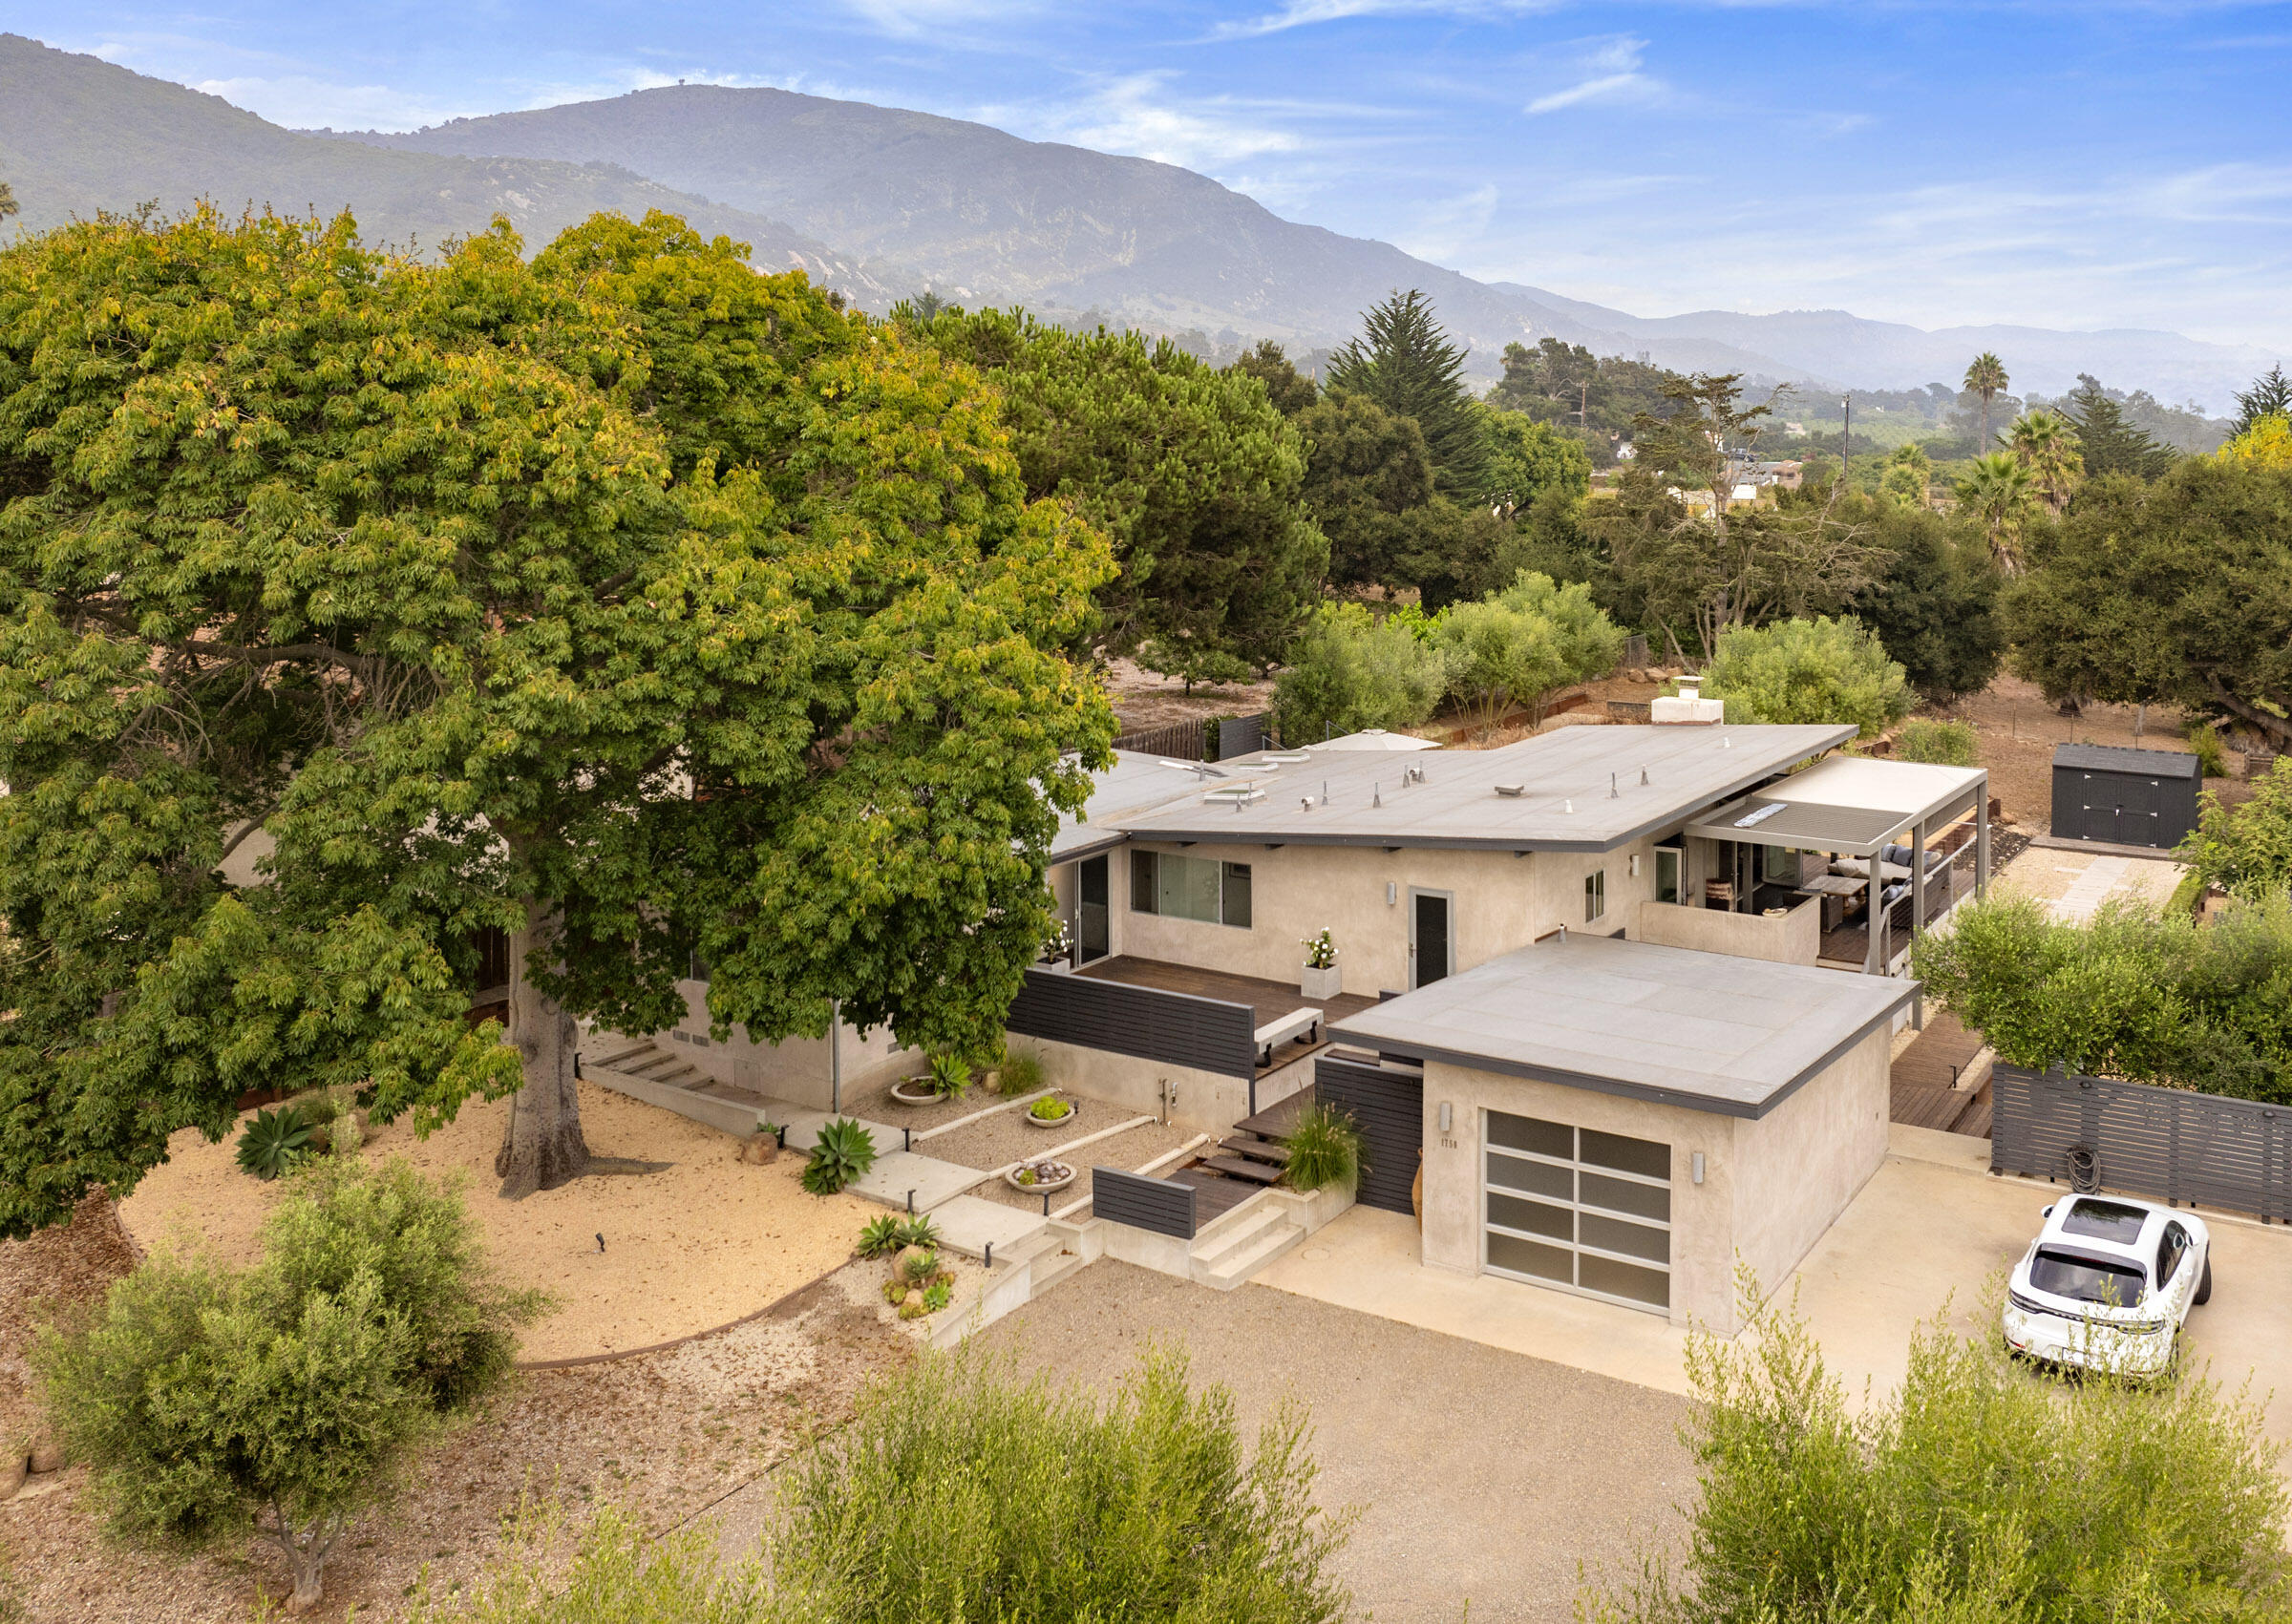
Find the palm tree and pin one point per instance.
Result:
(1986, 377)
(1909, 474)
(2046, 444)
(2000, 492)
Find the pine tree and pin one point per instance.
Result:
(2270, 396)
(1404, 361)
(2107, 443)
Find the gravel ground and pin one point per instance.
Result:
(675, 1434)
(876, 1104)
(1007, 1138)
(1482, 1477)
(1132, 1149)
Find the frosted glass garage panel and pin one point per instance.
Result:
(1576, 1208)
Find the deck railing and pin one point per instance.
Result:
(1173, 1028)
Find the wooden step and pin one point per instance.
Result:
(1256, 1150)
(1249, 1173)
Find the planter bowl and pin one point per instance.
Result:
(914, 1091)
(1318, 983)
(1041, 1186)
(1073, 1111)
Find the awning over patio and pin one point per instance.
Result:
(1849, 805)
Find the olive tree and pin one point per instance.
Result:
(628, 602)
(285, 1399)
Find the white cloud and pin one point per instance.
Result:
(1610, 73)
(1446, 230)
(1305, 14)
(913, 19)
(301, 102)
(1138, 116)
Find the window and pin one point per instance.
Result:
(1668, 861)
(1579, 1208)
(2170, 1252)
(1595, 894)
(2086, 1279)
(2104, 1220)
(1190, 888)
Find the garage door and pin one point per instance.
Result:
(1575, 1208)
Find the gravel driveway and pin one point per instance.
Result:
(1483, 1476)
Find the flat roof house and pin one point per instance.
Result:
(1625, 991)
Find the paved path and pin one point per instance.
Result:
(1482, 1475)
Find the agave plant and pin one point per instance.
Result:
(843, 1151)
(915, 1229)
(950, 1076)
(880, 1237)
(274, 1142)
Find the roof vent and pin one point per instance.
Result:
(1239, 795)
(1513, 791)
(1689, 709)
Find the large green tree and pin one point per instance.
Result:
(1289, 390)
(2270, 396)
(1935, 607)
(1986, 377)
(629, 602)
(1193, 472)
(2106, 441)
(1365, 471)
(1405, 361)
(2178, 591)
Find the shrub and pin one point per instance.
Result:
(1050, 1109)
(2140, 993)
(2211, 755)
(285, 1399)
(1349, 670)
(2246, 851)
(1944, 744)
(960, 1492)
(1983, 1493)
(274, 1142)
(880, 1237)
(843, 1151)
(614, 1571)
(1321, 949)
(1520, 645)
(1020, 1073)
(1808, 671)
(1324, 1148)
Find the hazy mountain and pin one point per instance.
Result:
(983, 216)
(79, 134)
(884, 203)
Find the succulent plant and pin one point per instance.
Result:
(843, 1151)
(274, 1142)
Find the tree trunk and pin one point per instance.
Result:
(309, 1588)
(543, 1147)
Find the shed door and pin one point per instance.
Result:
(2139, 802)
(1579, 1208)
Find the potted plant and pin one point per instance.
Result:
(1320, 976)
(948, 1079)
(1039, 1178)
(1058, 948)
(1050, 1111)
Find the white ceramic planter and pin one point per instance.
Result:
(914, 1091)
(1041, 1186)
(1068, 1121)
(1059, 966)
(1318, 983)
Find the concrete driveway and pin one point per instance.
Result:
(1931, 1226)
(1482, 1476)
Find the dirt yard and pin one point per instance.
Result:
(1143, 699)
(697, 1245)
(671, 1433)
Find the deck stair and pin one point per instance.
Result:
(1248, 1172)
(1254, 1150)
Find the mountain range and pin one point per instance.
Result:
(884, 203)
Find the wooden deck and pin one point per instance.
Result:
(1922, 1091)
(1267, 1000)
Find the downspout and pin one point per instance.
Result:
(836, 1056)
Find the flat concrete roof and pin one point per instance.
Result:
(1548, 793)
(1704, 1031)
(1135, 781)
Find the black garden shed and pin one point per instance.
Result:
(2125, 797)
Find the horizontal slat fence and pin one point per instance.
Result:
(1388, 1106)
(1214, 738)
(2164, 1144)
(1142, 1203)
(1176, 1028)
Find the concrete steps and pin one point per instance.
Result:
(1227, 1256)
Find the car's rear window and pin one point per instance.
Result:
(2084, 1279)
(2104, 1220)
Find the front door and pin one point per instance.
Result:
(1429, 938)
(1090, 939)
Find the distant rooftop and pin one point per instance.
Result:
(1705, 1031)
(1581, 788)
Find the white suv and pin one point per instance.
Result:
(2107, 1284)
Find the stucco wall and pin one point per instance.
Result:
(1203, 1101)
(1794, 938)
(795, 1069)
(1703, 1216)
(1499, 902)
(1800, 1164)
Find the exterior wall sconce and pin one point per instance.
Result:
(1635, 865)
(1447, 1117)
(1392, 893)
(1698, 1169)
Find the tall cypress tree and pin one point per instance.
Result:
(1404, 361)
(2270, 396)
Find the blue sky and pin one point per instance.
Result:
(2075, 165)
